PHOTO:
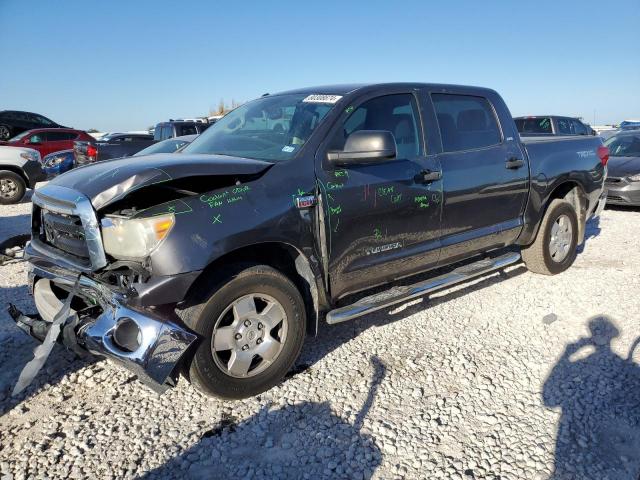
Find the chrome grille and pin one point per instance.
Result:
(65, 223)
(64, 232)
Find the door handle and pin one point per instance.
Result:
(514, 163)
(427, 176)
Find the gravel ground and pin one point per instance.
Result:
(515, 376)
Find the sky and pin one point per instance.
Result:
(126, 65)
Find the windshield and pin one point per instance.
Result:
(20, 136)
(270, 128)
(167, 146)
(624, 146)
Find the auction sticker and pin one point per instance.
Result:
(317, 98)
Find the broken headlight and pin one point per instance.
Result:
(134, 238)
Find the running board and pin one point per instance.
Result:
(403, 293)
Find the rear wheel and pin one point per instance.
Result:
(253, 328)
(555, 247)
(12, 187)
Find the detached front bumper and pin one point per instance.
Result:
(149, 346)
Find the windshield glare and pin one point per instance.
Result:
(624, 146)
(270, 128)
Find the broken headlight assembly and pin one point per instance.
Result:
(134, 238)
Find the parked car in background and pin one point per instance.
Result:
(19, 169)
(216, 261)
(58, 162)
(629, 125)
(623, 179)
(13, 122)
(542, 125)
(178, 128)
(170, 145)
(48, 140)
(113, 145)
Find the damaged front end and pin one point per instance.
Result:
(105, 318)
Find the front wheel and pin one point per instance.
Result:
(555, 248)
(5, 132)
(12, 187)
(252, 328)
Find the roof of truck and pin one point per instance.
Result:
(345, 89)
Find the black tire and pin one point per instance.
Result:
(240, 281)
(537, 256)
(5, 132)
(12, 187)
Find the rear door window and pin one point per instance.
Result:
(61, 136)
(466, 122)
(538, 125)
(564, 126)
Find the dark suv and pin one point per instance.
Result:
(14, 122)
(178, 128)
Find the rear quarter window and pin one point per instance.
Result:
(466, 122)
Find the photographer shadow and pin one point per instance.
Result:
(598, 392)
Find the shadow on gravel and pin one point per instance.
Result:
(17, 349)
(296, 440)
(599, 395)
(592, 230)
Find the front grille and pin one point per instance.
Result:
(64, 232)
(613, 180)
(616, 198)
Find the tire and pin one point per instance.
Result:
(5, 132)
(546, 258)
(221, 372)
(12, 187)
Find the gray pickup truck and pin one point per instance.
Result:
(318, 204)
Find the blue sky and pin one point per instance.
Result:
(119, 65)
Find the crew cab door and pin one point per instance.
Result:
(485, 174)
(381, 220)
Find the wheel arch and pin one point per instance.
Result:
(574, 193)
(17, 170)
(281, 256)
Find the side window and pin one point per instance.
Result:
(397, 114)
(42, 120)
(60, 136)
(466, 122)
(167, 132)
(564, 126)
(578, 127)
(186, 130)
(37, 138)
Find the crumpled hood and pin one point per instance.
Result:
(108, 181)
(623, 166)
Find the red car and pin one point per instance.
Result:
(48, 140)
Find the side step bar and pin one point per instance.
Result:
(404, 293)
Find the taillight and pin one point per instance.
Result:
(92, 151)
(603, 153)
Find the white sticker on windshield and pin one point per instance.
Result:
(288, 148)
(322, 98)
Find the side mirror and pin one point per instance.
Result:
(365, 146)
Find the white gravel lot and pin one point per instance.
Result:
(516, 376)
